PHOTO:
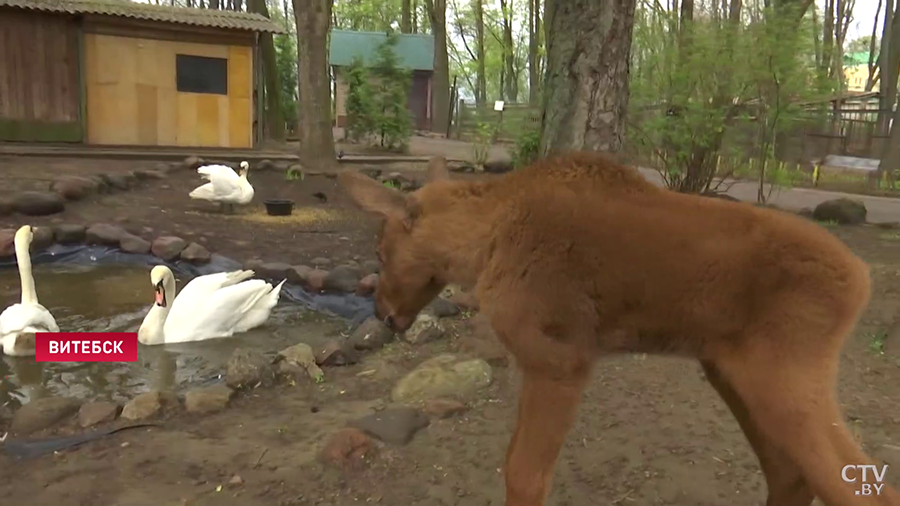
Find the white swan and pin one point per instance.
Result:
(225, 186)
(208, 307)
(19, 322)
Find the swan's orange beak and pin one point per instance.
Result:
(160, 295)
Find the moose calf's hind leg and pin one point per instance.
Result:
(547, 409)
(794, 406)
(783, 477)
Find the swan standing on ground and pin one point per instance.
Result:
(224, 186)
(211, 306)
(19, 322)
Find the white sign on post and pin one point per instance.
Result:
(498, 105)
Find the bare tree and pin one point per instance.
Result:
(480, 73)
(586, 83)
(274, 114)
(534, 30)
(511, 88)
(313, 18)
(406, 17)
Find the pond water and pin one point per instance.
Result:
(115, 298)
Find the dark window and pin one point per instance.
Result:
(199, 74)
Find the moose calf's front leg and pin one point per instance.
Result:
(547, 409)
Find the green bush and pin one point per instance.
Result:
(527, 148)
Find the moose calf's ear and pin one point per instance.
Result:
(373, 196)
(437, 169)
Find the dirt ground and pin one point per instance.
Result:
(651, 430)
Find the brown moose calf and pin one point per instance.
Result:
(576, 257)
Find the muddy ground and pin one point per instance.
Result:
(651, 430)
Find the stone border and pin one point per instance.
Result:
(342, 279)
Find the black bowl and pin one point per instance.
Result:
(279, 207)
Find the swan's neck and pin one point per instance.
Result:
(23, 259)
(152, 328)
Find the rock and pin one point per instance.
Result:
(498, 166)
(130, 243)
(720, 196)
(321, 263)
(843, 211)
(207, 399)
(370, 267)
(102, 184)
(249, 368)
(43, 238)
(443, 308)
(120, 181)
(301, 355)
(73, 187)
(273, 270)
(888, 225)
(425, 329)
(334, 354)
(235, 481)
(464, 300)
(146, 405)
(443, 408)
(372, 173)
(7, 242)
(367, 285)
(195, 253)
(315, 280)
(7, 206)
(38, 203)
(94, 413)
(69, 234)
(342, 279)
(393, 425)
(445, 375)
(145, 175)
(347, 449)
(192, 162)
(265, 164)
(372, 334)
(42, 413)
(168, 248)
(104, 234)
(297, 274)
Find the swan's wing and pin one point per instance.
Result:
(259, 313)
(217, 315)
(208, 171)
(26, 318)
(199, 289)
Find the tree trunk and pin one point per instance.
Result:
(827, 38)
(480, 73)
(533, 76)
(511, 89)
(405, 17)
(440, 96)
(870, 80)
(313, 18)
(890, 157)
(274, 114)
(586, 82)
(890, 45)
(415, 16)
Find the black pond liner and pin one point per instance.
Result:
(348, 306)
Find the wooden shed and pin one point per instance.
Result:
(115, 72)
(414, 51)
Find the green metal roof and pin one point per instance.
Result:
(860, 58)
(415, 51)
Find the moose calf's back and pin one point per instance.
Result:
(593, 247)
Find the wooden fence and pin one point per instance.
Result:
(508, 124)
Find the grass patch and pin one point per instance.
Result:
(890, 236)
(877, 341)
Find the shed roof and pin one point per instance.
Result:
(163, 13)
(415, 51)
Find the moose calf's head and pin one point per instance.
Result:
(411, 274)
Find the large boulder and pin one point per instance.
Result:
(168, 248)
(445, 375)
(42, 413)
(38, 203)
(104, 234)
(842, 211)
